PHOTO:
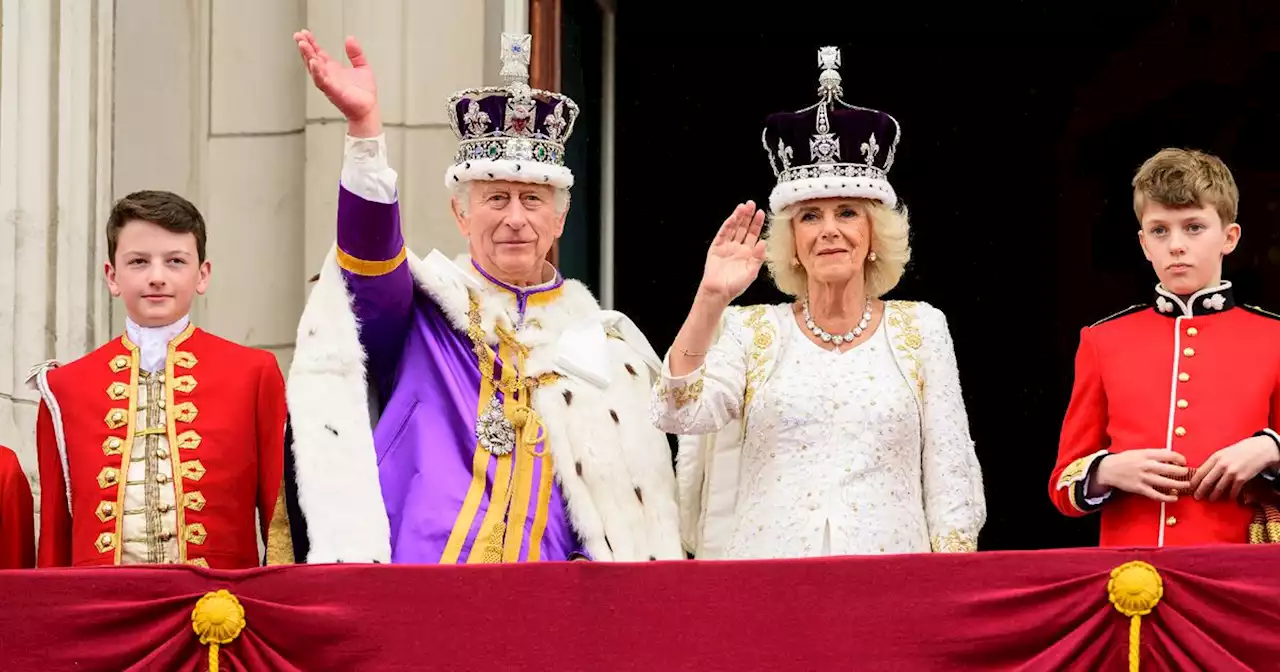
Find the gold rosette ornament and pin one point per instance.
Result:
(1135, 589)
(217, 619)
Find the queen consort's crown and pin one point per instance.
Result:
(831, 149)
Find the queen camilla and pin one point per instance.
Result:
(833, 424)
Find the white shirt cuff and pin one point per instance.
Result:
(1095, 501)
(365, 171)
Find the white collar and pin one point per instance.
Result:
(153, 342)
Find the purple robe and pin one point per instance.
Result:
(427, 381)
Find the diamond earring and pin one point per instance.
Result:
(871, 257)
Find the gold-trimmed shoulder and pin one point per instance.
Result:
(1260, 311)
(1120, 313)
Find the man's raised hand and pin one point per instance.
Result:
(351, 89)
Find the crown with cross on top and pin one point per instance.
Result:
(511, 132)
(830, 149)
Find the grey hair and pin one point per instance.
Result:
(890, 229)
(462, 194)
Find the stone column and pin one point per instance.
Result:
(421, 52)
(55, 172)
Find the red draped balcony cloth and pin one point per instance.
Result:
(1203, 608)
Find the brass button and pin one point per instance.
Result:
(107, 477)
(1184, 377)
(111, 446)
(160, 403)
(1182, 403)
(162, 479)
(160, 378)
(119, 363)
(1189, 352)
(106, 542)
(164, 508)
(1171, 521)
(116, 419)
(1180, 431)
(106, 511)
(164, 454)
(1192, 331)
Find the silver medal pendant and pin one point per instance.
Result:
(495, 432)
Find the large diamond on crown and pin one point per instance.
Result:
(519, 148)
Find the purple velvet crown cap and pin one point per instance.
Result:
(512, 132)
(831, 149)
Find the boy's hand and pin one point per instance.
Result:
(1152, 472)
(352, 90)
(1227, 471)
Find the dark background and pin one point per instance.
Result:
(1021, 128)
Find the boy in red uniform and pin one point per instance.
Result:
(162, 445)
(17, 515)
(1171, 426)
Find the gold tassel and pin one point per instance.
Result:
(1135, 589)
(217, 619)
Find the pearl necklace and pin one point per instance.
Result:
(841, 338)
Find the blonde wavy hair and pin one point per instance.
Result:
(890, 229)
(1182, 178)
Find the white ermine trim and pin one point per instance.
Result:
(38, 380)
(533, 172)
(336, 466)
(795, 191)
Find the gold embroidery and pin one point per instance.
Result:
(907, 338)
(117, 391)
(106, 510)
(193, 470)
(117, 448)
(116, 418)
(683, 395)
(184, 359)
(111, 446)
(279, 540)
(184, 384)
(189, 440)
(199, 562)
(196, 534)
(108, 477)
(185, 412)
(1075, 472)
(954, 542)
(762, 335)
(193, 500)
(614, 333)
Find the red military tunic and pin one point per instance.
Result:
(17, 515)
(198, 447)
(1191, 377)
